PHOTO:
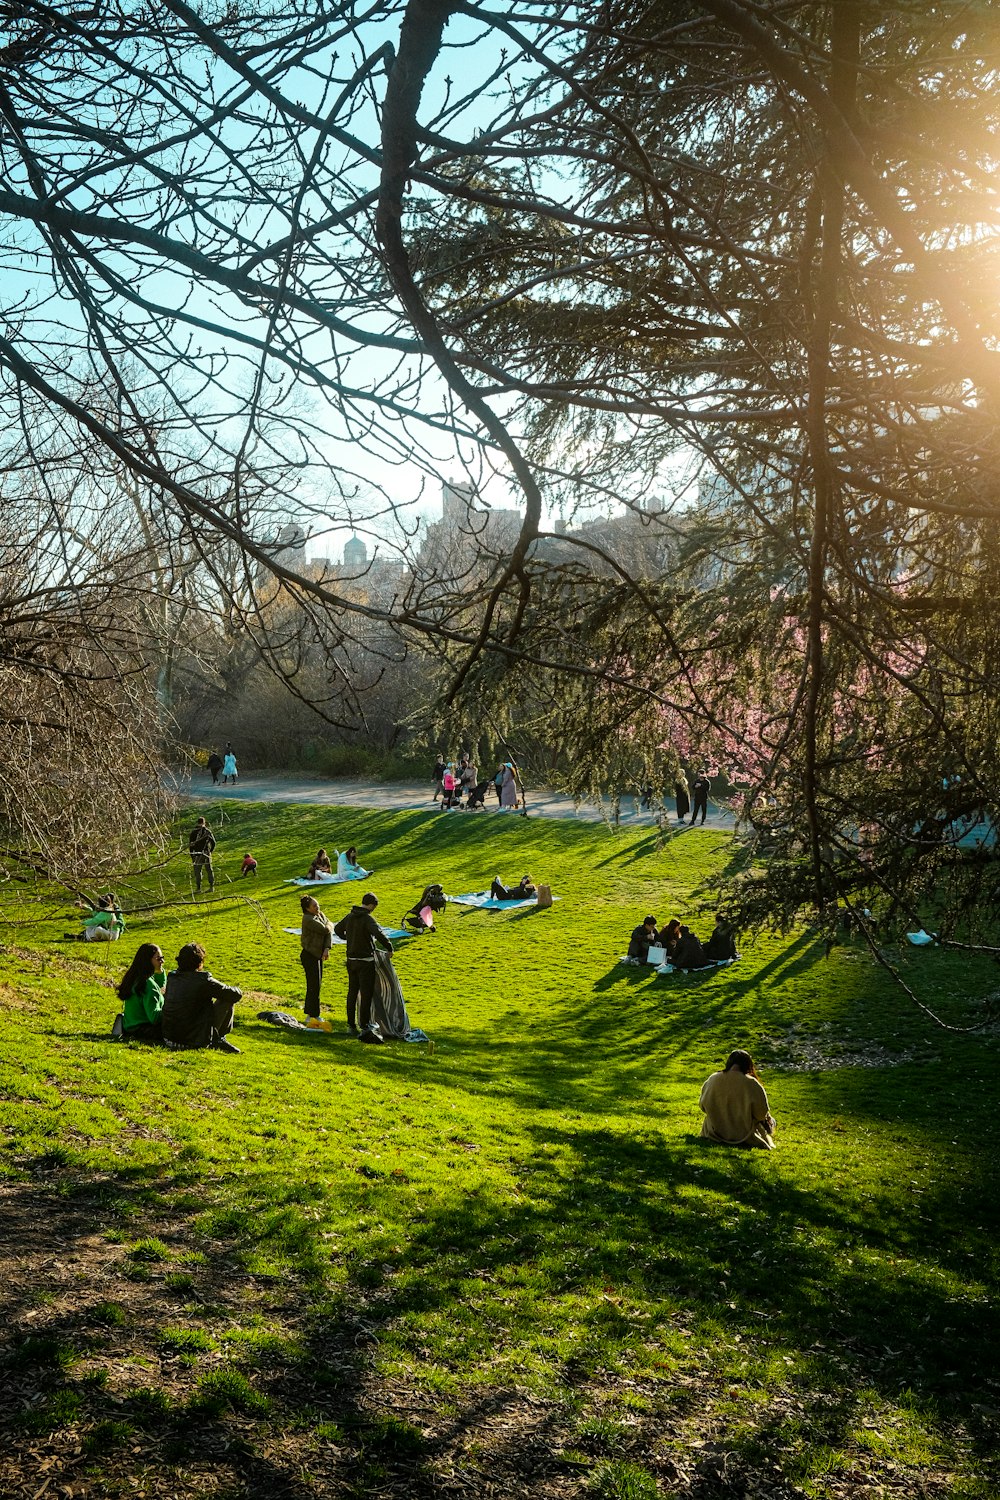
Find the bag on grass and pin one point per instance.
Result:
(543, 895)
(656, 955)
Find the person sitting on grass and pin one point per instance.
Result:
(197, 1008)
(521, 892)
(248, 867)
(105, 924)
(670, 937)
(348, 866)
(689, 954)
(320, 866)
(141, 994)
(420, 916)
(735, 1106)
(642, 939)
(721, 946)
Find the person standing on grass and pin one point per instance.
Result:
(201, 843)
(701, 789)
(317, 935)
(362, 934)
(215, 766)
(735, 1106)
(197, 1008)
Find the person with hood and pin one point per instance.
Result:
(215, 766)
(362, 934)
(197, 1007)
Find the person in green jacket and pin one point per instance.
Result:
(141, 993)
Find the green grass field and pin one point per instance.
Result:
(508, 1267)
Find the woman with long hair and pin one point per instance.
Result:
(141, 994)
(735, 1105)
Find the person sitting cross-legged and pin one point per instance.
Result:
(197, 1008)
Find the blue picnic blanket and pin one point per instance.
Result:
(393, 933)
(487, 902)
(326, 879)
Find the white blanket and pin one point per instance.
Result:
(486, 902)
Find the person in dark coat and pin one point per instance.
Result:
(215, 766)
(689, 954)
(683, 796)
(721, 946)
(437, 777)
(670, 937)
(642, 939)
(197, 1008)
(701, 789)
(362, 934)
(201, 843)
(316, 938)
(523, 891)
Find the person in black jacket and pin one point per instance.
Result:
(197, 1008)
(641, 940)
(700, 790)
(689, 953)
(362, 934)
(215, 766)
(201, 842)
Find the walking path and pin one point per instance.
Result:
(355, 792)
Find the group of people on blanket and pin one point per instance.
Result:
(682, 948)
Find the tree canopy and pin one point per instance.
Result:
(730, 266)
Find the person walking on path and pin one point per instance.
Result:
(701, 789)
(468, 775)
(197, 1008)
(362, 934)
(201, 843)
(229, 768)
(317, 935)
(437, 776)
(215, 766)
(682, 793)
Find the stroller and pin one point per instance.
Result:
(477, 795)
(420, 917)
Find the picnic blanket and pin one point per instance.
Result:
(326, 879)
(486, 902)
(392, 933)
(721, 963)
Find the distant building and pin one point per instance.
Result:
(355, 553)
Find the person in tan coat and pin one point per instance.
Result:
(735, 1106)
(317, 935)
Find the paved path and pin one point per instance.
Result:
(354, 792)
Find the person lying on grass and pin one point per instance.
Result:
(642, 939)
(197, 1008)
(141, 994)
(523, 891)
(735, 1106)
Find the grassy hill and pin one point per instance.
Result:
(510, 1266)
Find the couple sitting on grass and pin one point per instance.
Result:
(682, 948)
(185, 1009)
